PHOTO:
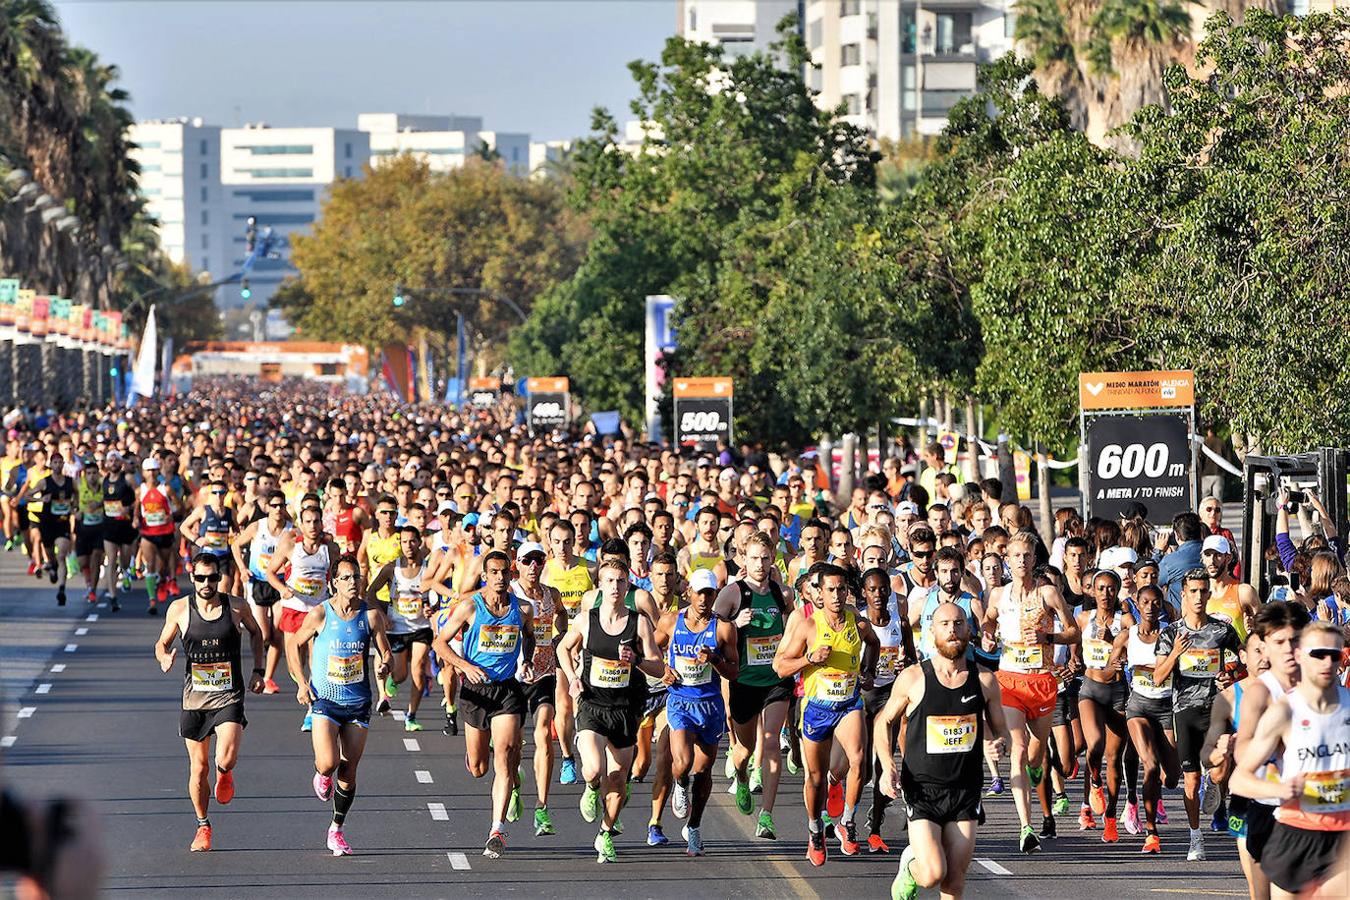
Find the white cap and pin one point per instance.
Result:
(907, 508)
(1115, 557)
(727, 474)
(150, 463)
(703, 580)
(1218, 543)
(445, 507)
(529, 547)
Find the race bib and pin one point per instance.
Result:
(214, 541)
(691, 671)
(1142, 679)
(306, 587)
(1201, 662)
(835, 687)
(610, 673)
(571, 601)
(543, 630)
(156, 517)
(951, 734)
(1326, 792)
(347, 669)
(408, 605)
(887, 661)
(1096, 654)
(60, 509)
(114, 509)
(498, 639)
(1023, 656)
(212, 677)
(761, 650)
(93, 518)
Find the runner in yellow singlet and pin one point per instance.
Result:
(379, 547)
(703, 552)
(1234, 602)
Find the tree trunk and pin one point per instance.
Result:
(846, 470)
(921, 433)
(972, 442)
(1047, 522)
(825, 449)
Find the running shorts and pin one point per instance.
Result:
(940, 804)
(875, 699)
(261, 593)
(705, 719)
(1157, 710)
(819, 720)
(200, 724)
(53, 528)
(1107, 696)
(1237, 815)
(291, 620)
(480, 703)
(541, 693)
(119, 532)
(159, 541)
(1191, 724)
(652, 708)
(341, 714)
(1297, 858)
(400, 643)
(749, 700)
(88, 538)
(1260, 826)
(1033, 694)
(616, 724)
(1066, 703)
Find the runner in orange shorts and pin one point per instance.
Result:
(1021, 615)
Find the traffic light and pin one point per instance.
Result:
(399, 299)
(114, 371)
(244, 290)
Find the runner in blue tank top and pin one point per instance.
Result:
(498, 633)
(700, 650)
(335, 683)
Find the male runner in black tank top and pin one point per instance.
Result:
(946, 703)
(213, 682)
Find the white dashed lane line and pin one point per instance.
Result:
(58, 668)
(92, 617)
(8, 740)
(411, 745)
(27, 712)
(992, 867)
(81, 632)
(438, 812)
(43, 688)
(458, 860)
(423, 776)
(71, 648)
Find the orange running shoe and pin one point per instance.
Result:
(834, 800)
(1097, 799)
(1152, 844)
(270, 687)
(224, 787)
(202, 842)
(1085, 820)
(815, 848)
(876, 845)
(1109, 833)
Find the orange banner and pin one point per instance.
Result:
(487, 383)
(1135, 390)
(716, 386)
(546, 386)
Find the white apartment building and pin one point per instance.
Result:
(444, 142)
(280, 176)
(180, 181)
(544, 153)
(740, 26)
(898, 66)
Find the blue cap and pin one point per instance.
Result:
(471, 520)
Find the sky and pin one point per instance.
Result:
(537, 66)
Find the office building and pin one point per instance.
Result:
(444, 142)
(740, 26)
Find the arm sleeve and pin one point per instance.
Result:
(1285, 548)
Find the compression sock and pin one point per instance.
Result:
(342, 803)
(151, 585)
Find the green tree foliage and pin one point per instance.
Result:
(713, 206)
(466, 241)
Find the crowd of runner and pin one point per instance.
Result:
(624, 608)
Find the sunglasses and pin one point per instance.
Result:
(218, 493)
(1324, 653)
(533, 560)
(385, 512)
(276, 505)
(921, 554)
(206, 579)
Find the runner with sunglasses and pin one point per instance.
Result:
(259, 539)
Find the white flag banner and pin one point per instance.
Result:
(143, 374)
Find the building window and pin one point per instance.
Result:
(206, 173)
(953, 34)
(850, 7)
(850, 55)
(908, 31)
(281, 150)
(150, 168)
(203, 195)
(347, 172)
(1009, 24)
(347, 151)
(814, 78)
(275, 196)
(277, 218)
(813, 34)
(852, 105)
(206, 148)
(148, 145)
(206, 242)
(276, 173)
(693, 20)
(1298, 7)
(205, 218)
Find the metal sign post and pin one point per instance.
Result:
(703, 411)
(1136, 429)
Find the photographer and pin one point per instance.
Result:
(1284, 545)
(52, 847)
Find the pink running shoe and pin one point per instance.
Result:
(323, 786)
(1162, 814)
(337, 843)
(1131, 818)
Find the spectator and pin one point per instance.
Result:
(1189, 534)
(1211, 473)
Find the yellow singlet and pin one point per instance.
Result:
(835, 680)
(380, 552)
(570, 583)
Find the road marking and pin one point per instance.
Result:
(103, 605)
(411, 745)
(1198, 892)
(423, 776)
(458, 861)
(92, 617)
(990, 866)
(58, 668)
(438, 812)
(399, 715)
(43, 688)
(81, 632)
(8, 740)
(70, 648)
(27, 712)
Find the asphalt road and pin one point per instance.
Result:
(89, 713)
